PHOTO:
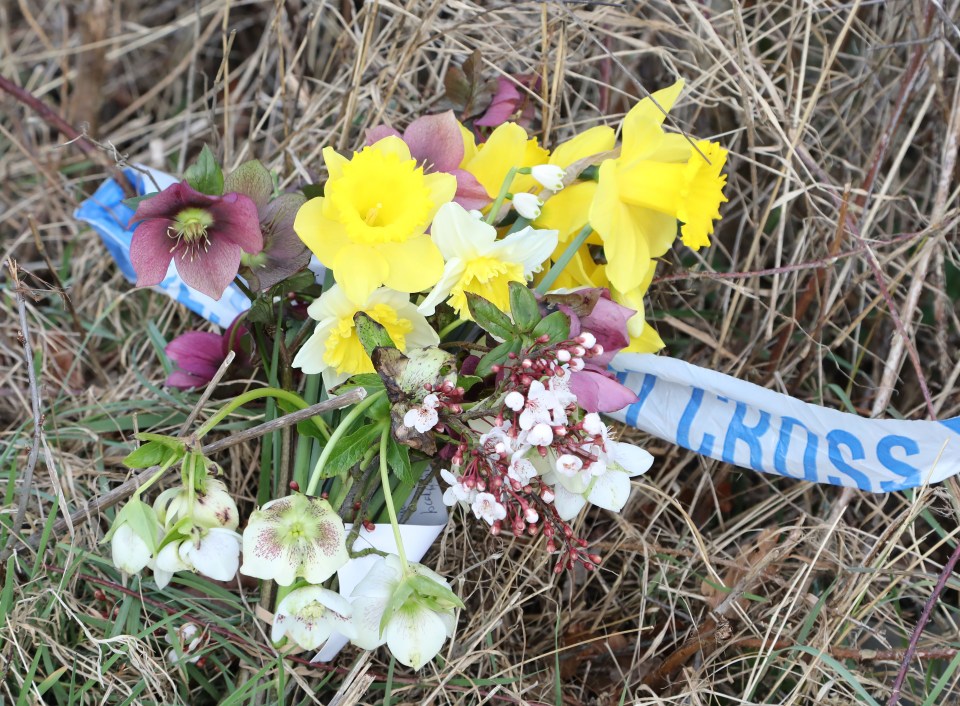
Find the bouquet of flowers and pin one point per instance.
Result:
(474, 287)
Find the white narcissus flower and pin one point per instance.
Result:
(477, 262)
(549, 176)
(292, 537)
(424, 417)
(129, 551)
(527, 205)
(486, 507)
(334, 349)
(418, 628)
(309, 615)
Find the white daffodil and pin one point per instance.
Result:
(213, 508)
(479, 263)
(292, 537)
(130, 552)
(309, 615)
(334, 349)
(422, 611)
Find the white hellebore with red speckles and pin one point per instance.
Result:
(309, 615)
(294, 537)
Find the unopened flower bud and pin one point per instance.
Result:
(531, 515)
(563, 355)
(526, 364)
(597, 350)
(547, 495)
(549, 176)
(514, 400)
(527, 205)
(294, 486)
(576, 365)
(532, 530)
(587, 339)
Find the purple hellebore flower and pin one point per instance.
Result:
(198, 355)
(436, 142)
(508, 101)
(597, 389)
(283, 252)
(204, 235)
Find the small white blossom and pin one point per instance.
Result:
(540, 435)
(527, 205)
(188, 641)
(549, 176)
(593, 425)
(514, 400)
(522, 471)
(425, 417)
(569, 465)
(487, 508)
(541, 406)
(457, 492)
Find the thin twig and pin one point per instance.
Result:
(24, 337)
(127, 488)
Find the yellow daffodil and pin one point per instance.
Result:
(477, 262)
(508, 146)
(335, 350)
(658, 179)
(369, 227)
(643, 337)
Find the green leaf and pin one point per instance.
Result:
(398, 459)
(205, 175)
(135, 201)
(523, 306)
(371, 333)
(427, 587)
(489, 317)
(556, 326)
(498, 356)
(468, 381)
(401, 594)
(261, 311)
(350, 449)
(152, 453)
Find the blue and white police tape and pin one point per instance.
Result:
(110, 217)
(749, 426)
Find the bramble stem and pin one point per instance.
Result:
(251, 395)
(335, 437)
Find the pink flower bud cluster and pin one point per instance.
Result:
(540, 425)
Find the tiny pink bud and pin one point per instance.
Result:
(294, 486)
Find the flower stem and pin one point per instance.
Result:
(388, 497)
(564, 259)
(251, 395)
(335, 437)
(504, 190)
(452, 326)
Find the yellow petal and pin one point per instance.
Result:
(642, 125)
(624, 244)
(392, 145)
(568, 211)
(324, 237)
(334, 161)
(593, 141)
(442, 188)
(469, 145)
(413, 266)
(359, 270)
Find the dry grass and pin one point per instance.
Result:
(842, 119)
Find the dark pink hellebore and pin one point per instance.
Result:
(204, 236)
(435, 142)
(597, 389)
(198, 355)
